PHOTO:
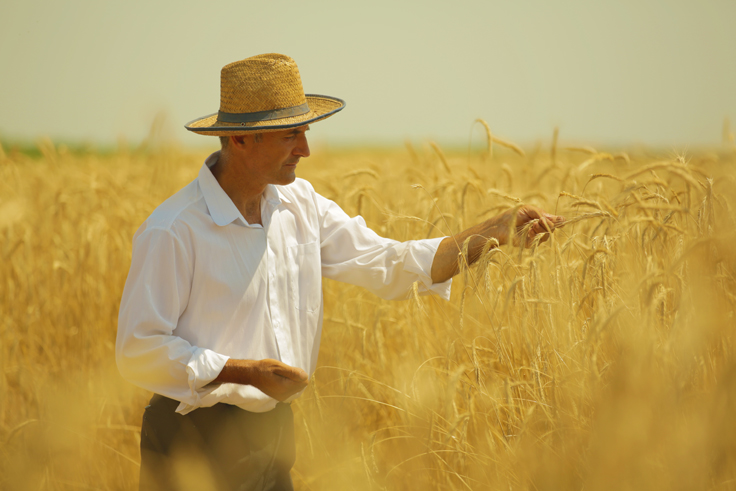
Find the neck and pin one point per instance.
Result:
(244, 190)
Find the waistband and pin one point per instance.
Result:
(168, 404)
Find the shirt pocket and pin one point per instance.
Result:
(306, 276)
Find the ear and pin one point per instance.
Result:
(238, 140)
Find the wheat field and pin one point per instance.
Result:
(601, 359)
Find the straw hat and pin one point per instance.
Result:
(263, 93)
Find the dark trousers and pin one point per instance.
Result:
(221, 447)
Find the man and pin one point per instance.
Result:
(222, 310)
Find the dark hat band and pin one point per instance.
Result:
(286, 112)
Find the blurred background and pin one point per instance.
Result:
(661, 72)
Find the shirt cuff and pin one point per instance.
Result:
(204, 366)
(424, 256)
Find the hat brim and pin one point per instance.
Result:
(320, 107)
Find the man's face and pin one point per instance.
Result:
(275, 157)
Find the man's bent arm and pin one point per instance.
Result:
(446, 261)
(148, 353)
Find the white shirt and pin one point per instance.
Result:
(205, 285)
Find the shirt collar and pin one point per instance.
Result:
(279, 194)
(222, 209)
(273, 195)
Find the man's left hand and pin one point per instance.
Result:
(528, 219)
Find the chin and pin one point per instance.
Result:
(287, 180)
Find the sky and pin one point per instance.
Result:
(657, 72)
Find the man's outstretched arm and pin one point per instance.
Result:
(512, 222)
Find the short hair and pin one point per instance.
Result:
(258, 137)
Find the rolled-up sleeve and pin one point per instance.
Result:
(156, 293)
(353, 253)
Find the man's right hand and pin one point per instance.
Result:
(271, 377)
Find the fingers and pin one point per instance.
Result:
(283, 388)
(555, 219)
(543, 225)
(280, 380)
(539, 231)
(539, 223)
(289, 386)
(548, 223)
(292, 373)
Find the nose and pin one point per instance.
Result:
(302, 147)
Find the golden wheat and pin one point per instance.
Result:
(601, 359)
